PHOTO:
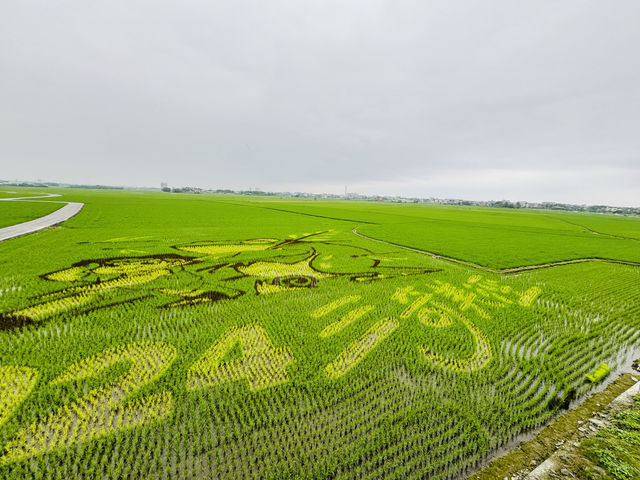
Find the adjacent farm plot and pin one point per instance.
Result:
(252, 342)
(496, 238)
(505, 247)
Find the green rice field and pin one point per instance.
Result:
(162, 336)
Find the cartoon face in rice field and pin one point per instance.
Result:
(206, 272)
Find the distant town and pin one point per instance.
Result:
(164, 187)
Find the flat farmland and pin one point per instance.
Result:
(164, 336)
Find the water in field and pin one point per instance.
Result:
(270, 342)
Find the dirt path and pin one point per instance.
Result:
(503, 271)
(62, 214)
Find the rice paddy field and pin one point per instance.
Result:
(162, 336)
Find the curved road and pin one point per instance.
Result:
(65, 213)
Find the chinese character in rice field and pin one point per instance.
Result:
(442, 305)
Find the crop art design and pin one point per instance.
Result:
(103, 410)
(220, 271)
(94, 283)
(297, 262)
(437, 306)
(443, 304)
(248, 354)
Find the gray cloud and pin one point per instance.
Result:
(521, 100)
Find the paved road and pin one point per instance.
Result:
(65, 213)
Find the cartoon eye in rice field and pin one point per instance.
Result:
(295, 281)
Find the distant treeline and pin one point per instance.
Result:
(54, 184)
(439, 201)
(356, 196)
(99, 187)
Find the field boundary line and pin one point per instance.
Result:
(612, 235)
(321, 216)
(501, 271)
(64, 213)
(350, 220)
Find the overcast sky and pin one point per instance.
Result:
(501, 99)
